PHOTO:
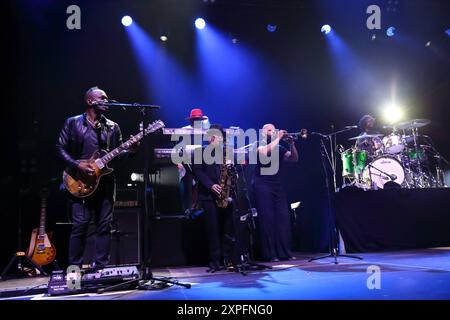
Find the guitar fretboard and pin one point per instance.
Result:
(126, 145)
(43, 214)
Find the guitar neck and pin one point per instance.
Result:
(124, 146)
(43, 216)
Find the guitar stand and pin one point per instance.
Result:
(20, 258)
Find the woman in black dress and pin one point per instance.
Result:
(271, 200)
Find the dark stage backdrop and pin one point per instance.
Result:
(291, 77)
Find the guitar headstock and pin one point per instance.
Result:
(155, 126)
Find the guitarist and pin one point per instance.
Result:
(79, 138)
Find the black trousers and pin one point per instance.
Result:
(274, 220)
(221, 232)
(98, 207)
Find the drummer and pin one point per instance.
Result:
(373, 145)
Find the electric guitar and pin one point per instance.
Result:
(82, 185)
(41, 250)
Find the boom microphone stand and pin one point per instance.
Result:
(246, 256)
(333, 245)
(146, 274)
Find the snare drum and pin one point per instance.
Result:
(353, 162)
(393, 143)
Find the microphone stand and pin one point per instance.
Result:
(333, 230)
(146, 274)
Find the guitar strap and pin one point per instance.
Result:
(108, 136)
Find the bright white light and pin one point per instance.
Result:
(392, 113)
(390, 32)
(127, 21)
(163, 38)
(326, 29)
(200, 23)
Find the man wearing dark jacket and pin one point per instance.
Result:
(79, 138)
(219, 221)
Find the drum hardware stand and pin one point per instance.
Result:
(146, 274)
(439, 159)
(419, 169)
(334, 233)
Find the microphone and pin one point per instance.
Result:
(392, 177)
(351, 127)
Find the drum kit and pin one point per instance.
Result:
(403, 158)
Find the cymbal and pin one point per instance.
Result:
(367, 136)
(413, 124)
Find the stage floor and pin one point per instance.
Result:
(413, 274)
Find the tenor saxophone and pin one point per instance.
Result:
(227, 182)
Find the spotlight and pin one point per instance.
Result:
(163, 38)
(127, 21)
(428, 44)
(137, 177)
(326, 29)
(447, 32)
(271, 27)
(390, 32)
(200, 23)
(234, 40)
(392, 113)
(374, 36)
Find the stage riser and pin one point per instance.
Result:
(393, 219)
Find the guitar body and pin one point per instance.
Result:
(81, 185)
(41, 250)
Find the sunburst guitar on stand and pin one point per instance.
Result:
(82, 185)
(41, 250)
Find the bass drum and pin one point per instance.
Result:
(382, 170)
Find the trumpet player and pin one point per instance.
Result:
(271, 200)
(219, 220)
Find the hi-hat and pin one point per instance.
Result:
(367, 136)
(413, 124)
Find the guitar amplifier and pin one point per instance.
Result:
(125, 238)
(127, 197)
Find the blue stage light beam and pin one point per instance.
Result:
(357, 78)
(232, 77)
(166, 82)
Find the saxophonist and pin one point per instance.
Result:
(219, 220)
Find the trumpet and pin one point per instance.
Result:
(303, 134)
